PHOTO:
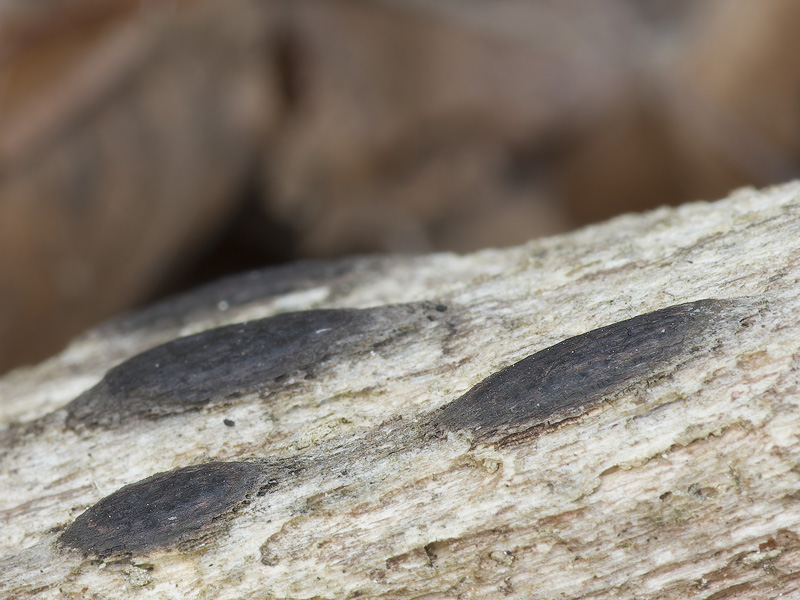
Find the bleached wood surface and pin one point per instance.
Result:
(680, 482)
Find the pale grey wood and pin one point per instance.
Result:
(685, 486)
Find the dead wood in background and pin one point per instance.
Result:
(136, 137)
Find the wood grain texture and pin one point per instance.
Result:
(408, 458)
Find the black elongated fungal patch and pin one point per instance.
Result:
(244, 289)
(163, 510)
(574, 375)
(228, 362)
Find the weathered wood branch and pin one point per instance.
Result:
(612, 413)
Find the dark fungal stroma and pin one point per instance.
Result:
(162, 510)
(575, 374)
(228, 362)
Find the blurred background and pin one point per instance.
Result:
(150, 146)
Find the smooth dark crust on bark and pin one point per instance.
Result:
(242, 290)
(162, 510)
(573, 376)
(557, 383)
(225, 363)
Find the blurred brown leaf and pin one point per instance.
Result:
(135, 134)
(125, 132)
